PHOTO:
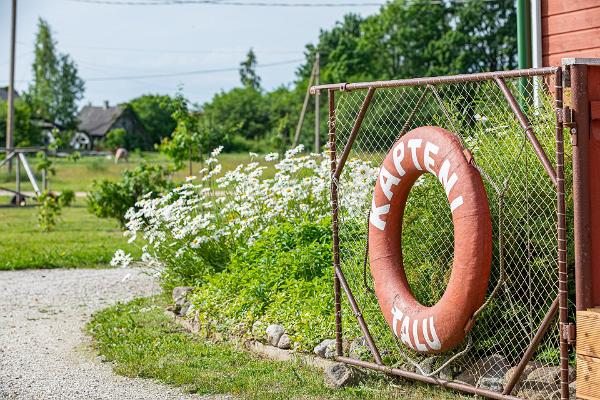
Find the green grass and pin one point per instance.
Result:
(142, 341)
(78, 176)
(78, 240)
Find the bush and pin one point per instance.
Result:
(195, 228)
(115, 138)
(109, 199)
(284, 277)
(50, 206)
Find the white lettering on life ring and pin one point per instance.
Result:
(387, 179)
(411, 337)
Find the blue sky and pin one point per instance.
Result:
(109, 41)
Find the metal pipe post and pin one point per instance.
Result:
(317, 106)
(335, 228)
(581, 192)
(10, 123)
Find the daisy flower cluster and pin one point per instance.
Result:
(233, 208)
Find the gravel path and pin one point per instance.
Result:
(44, 353)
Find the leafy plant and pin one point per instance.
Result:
(109, 199)
(115, 138)
(50, 206)
(284, 277)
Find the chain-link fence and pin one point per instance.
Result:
(502, 355)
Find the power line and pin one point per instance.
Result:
(225, 3)
(187, 73)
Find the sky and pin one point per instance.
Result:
(117, 47)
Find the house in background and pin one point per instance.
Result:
(4, 93)
(96, 121)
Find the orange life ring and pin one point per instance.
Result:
(444, 325)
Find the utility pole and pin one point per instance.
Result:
(317, 113)
(10, 120)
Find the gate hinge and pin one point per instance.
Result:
(566, 117)
(569, 333)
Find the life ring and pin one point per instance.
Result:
(444, 325)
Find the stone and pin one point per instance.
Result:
(359, 349)
(341, 375)
(274, 333)
(428, 364)
(181, 291)
(325, 349)
(182, 305)
(486, 373)
(185, 307)
(526, 371)
(572, 389)
(538, 395)
(258, 329)
(545, 378)
(491, 383)
(285, 342)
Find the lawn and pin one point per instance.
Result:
(79, 240)
(141, 341)
(79, 175)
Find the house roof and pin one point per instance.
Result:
(4, 93)
(97, 121)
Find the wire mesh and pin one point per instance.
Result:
(522, 202)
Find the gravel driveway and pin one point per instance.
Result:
(44, 353)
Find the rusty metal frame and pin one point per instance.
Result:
(581, 190)
(556, 174)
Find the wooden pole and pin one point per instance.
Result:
(10, 123)
(317, 112)
(304, 106)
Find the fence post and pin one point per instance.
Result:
(585, 137)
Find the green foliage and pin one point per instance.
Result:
(48, 210)
(26, 133)
(56, 87)
(187, 140)
(109, 199)
(50, 206)
(284, 277)
(115, 138)
(248, 75)
(239, 112)
(156, 114)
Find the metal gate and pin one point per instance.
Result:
(512, 124)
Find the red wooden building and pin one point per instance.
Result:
(569, 28)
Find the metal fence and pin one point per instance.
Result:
(512, 124)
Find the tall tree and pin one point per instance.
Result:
(56, 87)
(69, 90)
(156, 114)
(45, 70)
(248, 75)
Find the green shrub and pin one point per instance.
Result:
(109, 199)
(50, 206)
(115, 138)
(284, 277)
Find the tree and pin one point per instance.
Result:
(239, 112)
(485, 35)
(69, 90)
(26, 132)
(155, 112)
(186, 140)
(56, 87)
(248, 75)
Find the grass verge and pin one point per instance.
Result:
(142, 341)
(79, 240)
